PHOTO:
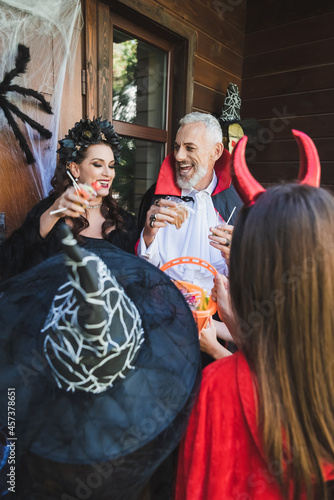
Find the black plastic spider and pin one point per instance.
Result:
(21, 61)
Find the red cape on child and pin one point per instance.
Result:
(221, 456)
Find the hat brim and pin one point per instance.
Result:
(82, 428)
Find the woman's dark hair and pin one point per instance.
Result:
(281, 282)
(74, 148)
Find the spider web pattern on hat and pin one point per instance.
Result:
(81, 361)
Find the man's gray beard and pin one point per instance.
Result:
(191, 183)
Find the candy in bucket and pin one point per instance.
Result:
(201, 304)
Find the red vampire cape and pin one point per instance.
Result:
(224, 197)
(221, 456)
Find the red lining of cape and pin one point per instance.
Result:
(166, 181)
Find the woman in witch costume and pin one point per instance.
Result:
(88, 155)
(269, 432)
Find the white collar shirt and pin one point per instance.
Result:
(190, 240)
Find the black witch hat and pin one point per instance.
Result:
(102, 354)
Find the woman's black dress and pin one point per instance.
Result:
(25, 248)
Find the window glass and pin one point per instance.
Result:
(140, 164)
(139, 81)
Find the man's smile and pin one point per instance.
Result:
(184, 168)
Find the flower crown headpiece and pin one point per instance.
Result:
(85, 133)
(249, 189)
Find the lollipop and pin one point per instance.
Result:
(96, 185)
(86, 191)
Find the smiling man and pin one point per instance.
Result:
(196, 176)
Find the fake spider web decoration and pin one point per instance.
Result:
(91, 343)
(51, 30)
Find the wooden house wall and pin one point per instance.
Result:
(288, 82)
(219, 52)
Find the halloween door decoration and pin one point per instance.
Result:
(230, 120)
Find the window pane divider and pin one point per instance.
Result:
(140, 131)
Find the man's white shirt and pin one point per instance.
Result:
(191, 240)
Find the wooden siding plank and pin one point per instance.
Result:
(267, 13)
(289, 58)
(233, 11)
(215, 52)
(316, 127)
(304, 104)
(212, 76)
(297, 33)
(287, 150)
(301, 80)
(208, 100)
(275, 172)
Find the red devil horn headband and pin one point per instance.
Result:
(245, 184)
(249, 189)
(310, 169)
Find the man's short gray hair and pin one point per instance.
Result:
(212, 124)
